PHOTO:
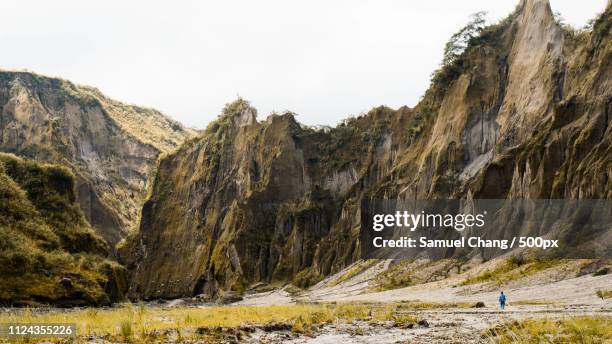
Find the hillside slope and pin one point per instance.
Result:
(111, 147)
(524, 112)
(48, 251)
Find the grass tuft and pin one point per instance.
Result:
(126, 330)
(604, 294)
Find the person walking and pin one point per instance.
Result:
(502, 300)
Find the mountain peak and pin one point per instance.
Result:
(240, 111)
(539, 9)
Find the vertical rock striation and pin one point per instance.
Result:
(524, 112)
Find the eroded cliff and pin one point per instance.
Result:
(111, 147)
(523, 112)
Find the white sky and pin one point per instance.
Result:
(323, 59)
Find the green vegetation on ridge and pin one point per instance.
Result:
(48, 252)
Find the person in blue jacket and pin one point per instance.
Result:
(502, 300)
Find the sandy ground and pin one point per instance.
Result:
(555, 285)
(579, 290)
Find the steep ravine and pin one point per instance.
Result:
(524, 112)
(111, 147)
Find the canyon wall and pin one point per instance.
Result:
(523, 112)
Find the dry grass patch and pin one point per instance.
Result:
(355, 270)
(142, 324)
(513, 269)
(408, 272)
(586, 330)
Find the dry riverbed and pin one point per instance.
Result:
(401, 322)
(555, 305)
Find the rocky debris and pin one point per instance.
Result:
(276, 327)
(202, 298)
(423, 323)
(228, 335)
(404, 325)
(601, 272)
(229, 297)
(245, 333)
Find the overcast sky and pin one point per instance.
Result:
(323, 59)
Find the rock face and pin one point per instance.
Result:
(48, 251)
(524, 112)
(111, 147)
